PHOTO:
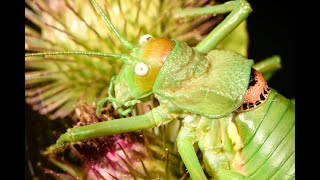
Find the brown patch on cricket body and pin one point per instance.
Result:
(256, 93)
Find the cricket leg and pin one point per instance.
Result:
(110, 97)
(157, 117)
(268, 66)
(185, 141)
(129, 104)
(240, 9)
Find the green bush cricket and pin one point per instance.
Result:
(206, 89)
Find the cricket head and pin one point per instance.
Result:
(142, 66)
(139, 74)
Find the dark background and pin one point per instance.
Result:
(272, 30)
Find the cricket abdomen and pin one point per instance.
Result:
(268, 136)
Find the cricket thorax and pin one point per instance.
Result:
(256, 93)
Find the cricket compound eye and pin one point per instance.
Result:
(141, 69)
(145, 38)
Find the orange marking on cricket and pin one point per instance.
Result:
(256, 93)
(156, 50)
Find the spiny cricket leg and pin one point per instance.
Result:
(240, 10)
(154, 118)
(268, 66)
(124, 112)
(190, 159)
(110, 92)
(114, 100)
(121, 111)
(185, 140)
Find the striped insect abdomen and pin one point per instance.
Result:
(268, 134)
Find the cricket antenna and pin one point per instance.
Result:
(125, 42)
(124, 57)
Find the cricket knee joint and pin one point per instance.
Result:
(160, 116)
